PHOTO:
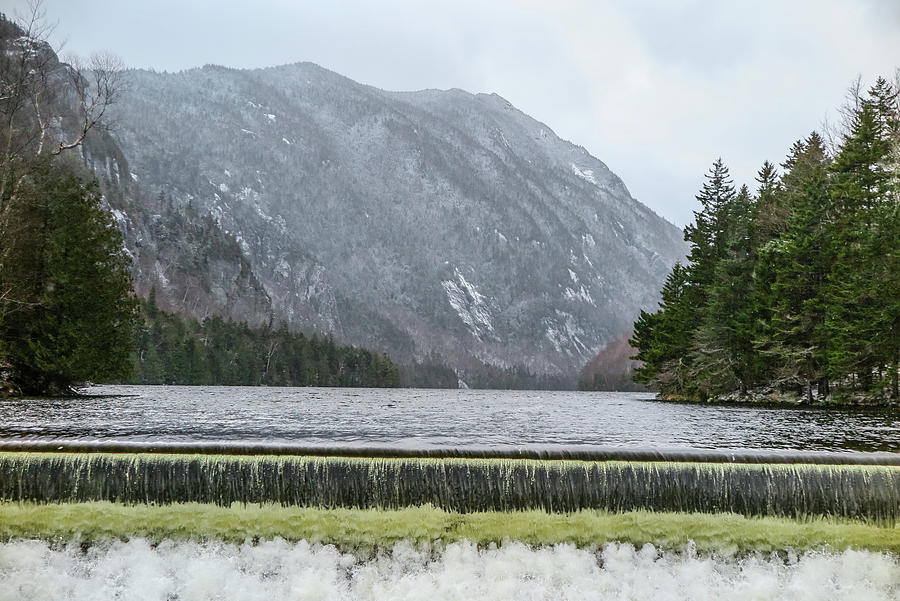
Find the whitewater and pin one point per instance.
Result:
(277, 570)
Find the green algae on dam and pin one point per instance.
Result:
(463, 485)
(372, 529)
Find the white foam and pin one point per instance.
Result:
(276, 570)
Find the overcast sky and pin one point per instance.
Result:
(657, 89)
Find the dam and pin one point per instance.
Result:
(378, 481)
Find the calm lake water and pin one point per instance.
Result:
(429, 419)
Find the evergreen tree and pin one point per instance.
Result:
(768, 221)
(801, 260)
(721, 346)
(667, 340)
(663, 338)
(770, 209)
(862, 288)
(76, 319)
(885, 239)
(707, 235)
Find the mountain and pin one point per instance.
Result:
(435, 226)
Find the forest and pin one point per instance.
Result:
(68, 311)
(791, 292)
(170, 349)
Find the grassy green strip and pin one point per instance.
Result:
(371, 529)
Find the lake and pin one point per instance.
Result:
(433, 419)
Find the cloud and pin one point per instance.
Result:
(656, 89)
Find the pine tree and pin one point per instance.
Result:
(722, 346)
(77, 322)
(861, 293)
(794, 336)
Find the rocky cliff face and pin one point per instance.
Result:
(428, 225)
(193, 266)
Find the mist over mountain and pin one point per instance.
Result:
(435, 226)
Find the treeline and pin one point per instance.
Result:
(794, 289)
(173, 350)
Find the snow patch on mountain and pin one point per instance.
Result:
(564, 334)
(585, 174)
(470, 305)
(581, 295)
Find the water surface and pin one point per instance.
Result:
(432, 419)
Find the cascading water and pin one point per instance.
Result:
(141, 504)
(277, 570)
(868, 492)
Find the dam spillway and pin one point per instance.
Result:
(462, 451)
(196, 493)
(464, 484)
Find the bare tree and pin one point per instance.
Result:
(834, 131)
(96, 85)
(46, 108)
(24, 66)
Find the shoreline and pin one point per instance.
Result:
(777, 400)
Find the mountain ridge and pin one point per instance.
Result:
(423, 224)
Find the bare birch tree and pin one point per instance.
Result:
(46, 107)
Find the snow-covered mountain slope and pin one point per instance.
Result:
(432, 224)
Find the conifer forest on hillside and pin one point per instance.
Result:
(791, 291)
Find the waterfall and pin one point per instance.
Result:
(462, 484)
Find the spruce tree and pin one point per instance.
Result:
(667, 340)
(662, 338)
(77, 323)
(861, 292)
(794, 336)
(722, 346)
(709, 239)
(768, 219)
(770, 211)
(707, 235)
